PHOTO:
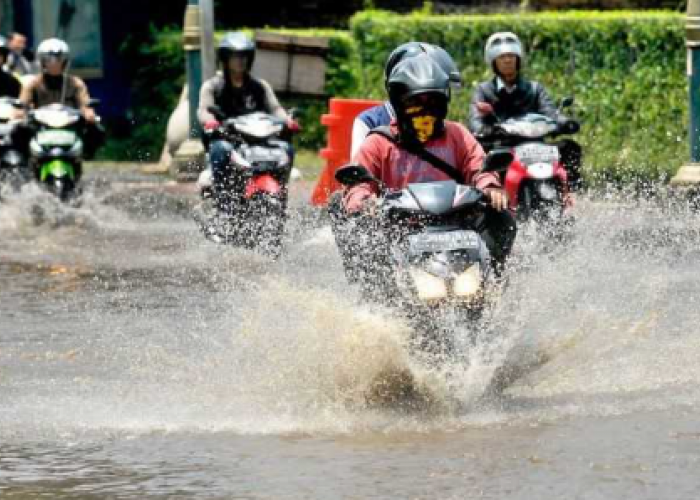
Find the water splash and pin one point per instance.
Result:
(591, 327)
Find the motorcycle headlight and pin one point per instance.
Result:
(468, 283)
(12, 157)
(547, 191)
(429, 287)
(541, 170)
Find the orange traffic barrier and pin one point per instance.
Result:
(339, 138)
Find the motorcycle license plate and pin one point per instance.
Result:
(443, 241)
(534, 152)
(56, 138)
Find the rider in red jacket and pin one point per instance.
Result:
(419, 92)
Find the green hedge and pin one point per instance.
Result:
(629, 79)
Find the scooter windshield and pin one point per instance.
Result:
(531, 126)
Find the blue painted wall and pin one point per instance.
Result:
(119, 19)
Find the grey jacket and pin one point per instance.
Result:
(527, 97)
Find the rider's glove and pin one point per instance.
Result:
(210, 125)
(497, 197)
(357, 198)
(484, 108)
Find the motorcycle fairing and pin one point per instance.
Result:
(56, 168)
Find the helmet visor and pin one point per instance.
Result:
(238, 61)
(52, 59)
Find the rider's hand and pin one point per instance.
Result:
(484, 108)
(357, 199)
(498, 198)
(293, 125)
(212, 125)
(89, 115)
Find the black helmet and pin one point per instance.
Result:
(236, 43)
(409, 49)
(445, 61)
(412, 49)
(414, 77)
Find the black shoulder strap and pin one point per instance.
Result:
(420, 152)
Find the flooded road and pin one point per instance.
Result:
(138, 360)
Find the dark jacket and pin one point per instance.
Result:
(9, 85)
(255, 95)
(528, 97)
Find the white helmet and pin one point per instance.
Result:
(501, 43)
(53, 47)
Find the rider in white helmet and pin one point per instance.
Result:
(508, 94)
(55, 85)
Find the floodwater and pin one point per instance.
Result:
(138, 360)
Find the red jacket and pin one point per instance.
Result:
(397, 168)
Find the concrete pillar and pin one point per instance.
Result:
(689, 174)
(188, 161)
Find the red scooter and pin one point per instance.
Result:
(250, 210)
(536, 181)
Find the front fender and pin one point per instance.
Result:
(516, 174)
(56, 168)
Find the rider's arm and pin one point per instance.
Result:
(272, 104)
(81, 93)
(477, 120)
(470, 157)
(369, 156)
(359, 132)
(26, 97)
(206, 100)
(83, 98)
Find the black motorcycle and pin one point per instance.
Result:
(431, 260)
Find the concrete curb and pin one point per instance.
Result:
(688, 175)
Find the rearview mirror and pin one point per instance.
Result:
(352, 174)
(566, 102)
(497, 160)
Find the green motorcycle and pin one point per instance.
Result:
(56, 150)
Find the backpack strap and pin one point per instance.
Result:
(420, 152)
